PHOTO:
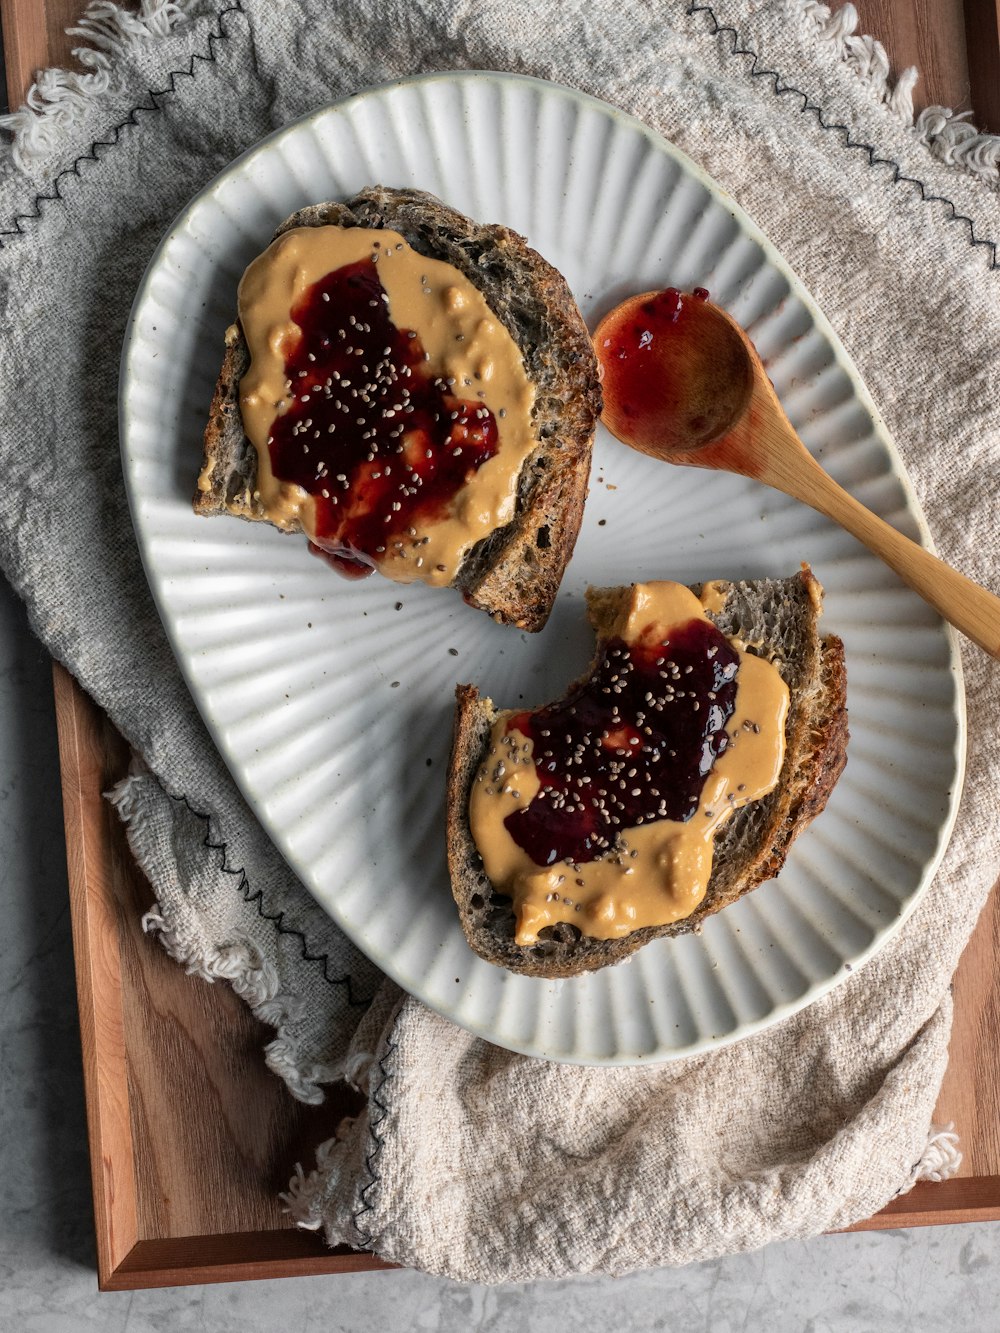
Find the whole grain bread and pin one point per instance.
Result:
(512, 574)
(776, 618)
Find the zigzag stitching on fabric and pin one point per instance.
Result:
(898, 175)
(91, 155)
(276, 918)
(366, 1206)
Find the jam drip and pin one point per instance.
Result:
(631, 745)
(381, 444)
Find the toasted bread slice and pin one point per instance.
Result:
(776, 618)
(512, 574)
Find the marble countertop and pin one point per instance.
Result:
(935, 1278)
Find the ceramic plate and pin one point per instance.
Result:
(320, 692)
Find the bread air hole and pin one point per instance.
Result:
(542, 538)
(561, 933)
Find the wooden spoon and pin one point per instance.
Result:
(683, 383)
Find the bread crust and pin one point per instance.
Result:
(513, 574)
(750, 848)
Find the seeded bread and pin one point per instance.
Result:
(512, 574)
(776, 618)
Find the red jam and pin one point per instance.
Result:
(632, 744)
(657, 371)
(381, 445)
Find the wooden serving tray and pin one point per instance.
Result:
(191, 1138)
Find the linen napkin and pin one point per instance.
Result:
(469, 1160)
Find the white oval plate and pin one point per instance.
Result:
(322, 694)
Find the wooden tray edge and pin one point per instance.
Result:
(96, 962)
(236, 1257)
(931, 1203)
(126, 1259)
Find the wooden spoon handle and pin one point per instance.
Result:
(966, 605)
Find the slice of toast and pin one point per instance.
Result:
(775, 618)
(513, 573)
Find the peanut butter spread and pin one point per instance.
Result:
(618, 879)
(480, 426)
